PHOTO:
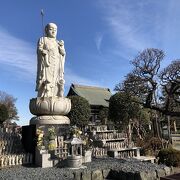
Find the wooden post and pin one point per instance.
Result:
(175, 128)
(169, 128)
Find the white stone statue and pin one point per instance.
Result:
(50, 107)
(51, 58)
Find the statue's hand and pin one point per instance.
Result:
(46, 61)
(61, 48)
(47, 64)
(62, 51)
(44, 52)
(61, 81)
(61, 43)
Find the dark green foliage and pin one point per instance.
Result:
(122, 108)
(9, 102)
(3, 113)
(80, 111)
(169, 157)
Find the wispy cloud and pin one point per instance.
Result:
(17, 53)
(136, 25)
(21, 57)
(98, 40)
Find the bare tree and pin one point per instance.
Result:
(9, 102)
(156, 90)
(170, 81)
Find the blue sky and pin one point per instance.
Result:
(101, 37)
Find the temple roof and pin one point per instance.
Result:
(94, 95)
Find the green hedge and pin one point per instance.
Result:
(169, 157)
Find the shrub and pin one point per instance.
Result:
(169, 157)
(80, 111)
(122, 108)
(155, 143)
(3, 113)
(151, 145)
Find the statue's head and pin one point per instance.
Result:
(51, 30)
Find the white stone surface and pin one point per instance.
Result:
(74, 161)
(50, 106)
(42, 159)
(43, 120)
(87, 156)
(51, 58)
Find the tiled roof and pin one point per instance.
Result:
(94, 95)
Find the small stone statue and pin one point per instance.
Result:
(51, 58)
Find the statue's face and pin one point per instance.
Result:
(52, 31)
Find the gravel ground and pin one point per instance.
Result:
(37, 173)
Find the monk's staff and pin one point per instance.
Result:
(43, 33)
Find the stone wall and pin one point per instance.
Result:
(100, 174)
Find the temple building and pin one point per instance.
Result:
(97, 97)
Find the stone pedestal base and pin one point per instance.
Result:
(43, 159)
(56, 119)
(45, 106)
(50, 110)
(74, 161)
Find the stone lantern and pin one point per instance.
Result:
(74, 159)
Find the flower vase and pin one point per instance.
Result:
(51, 143)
